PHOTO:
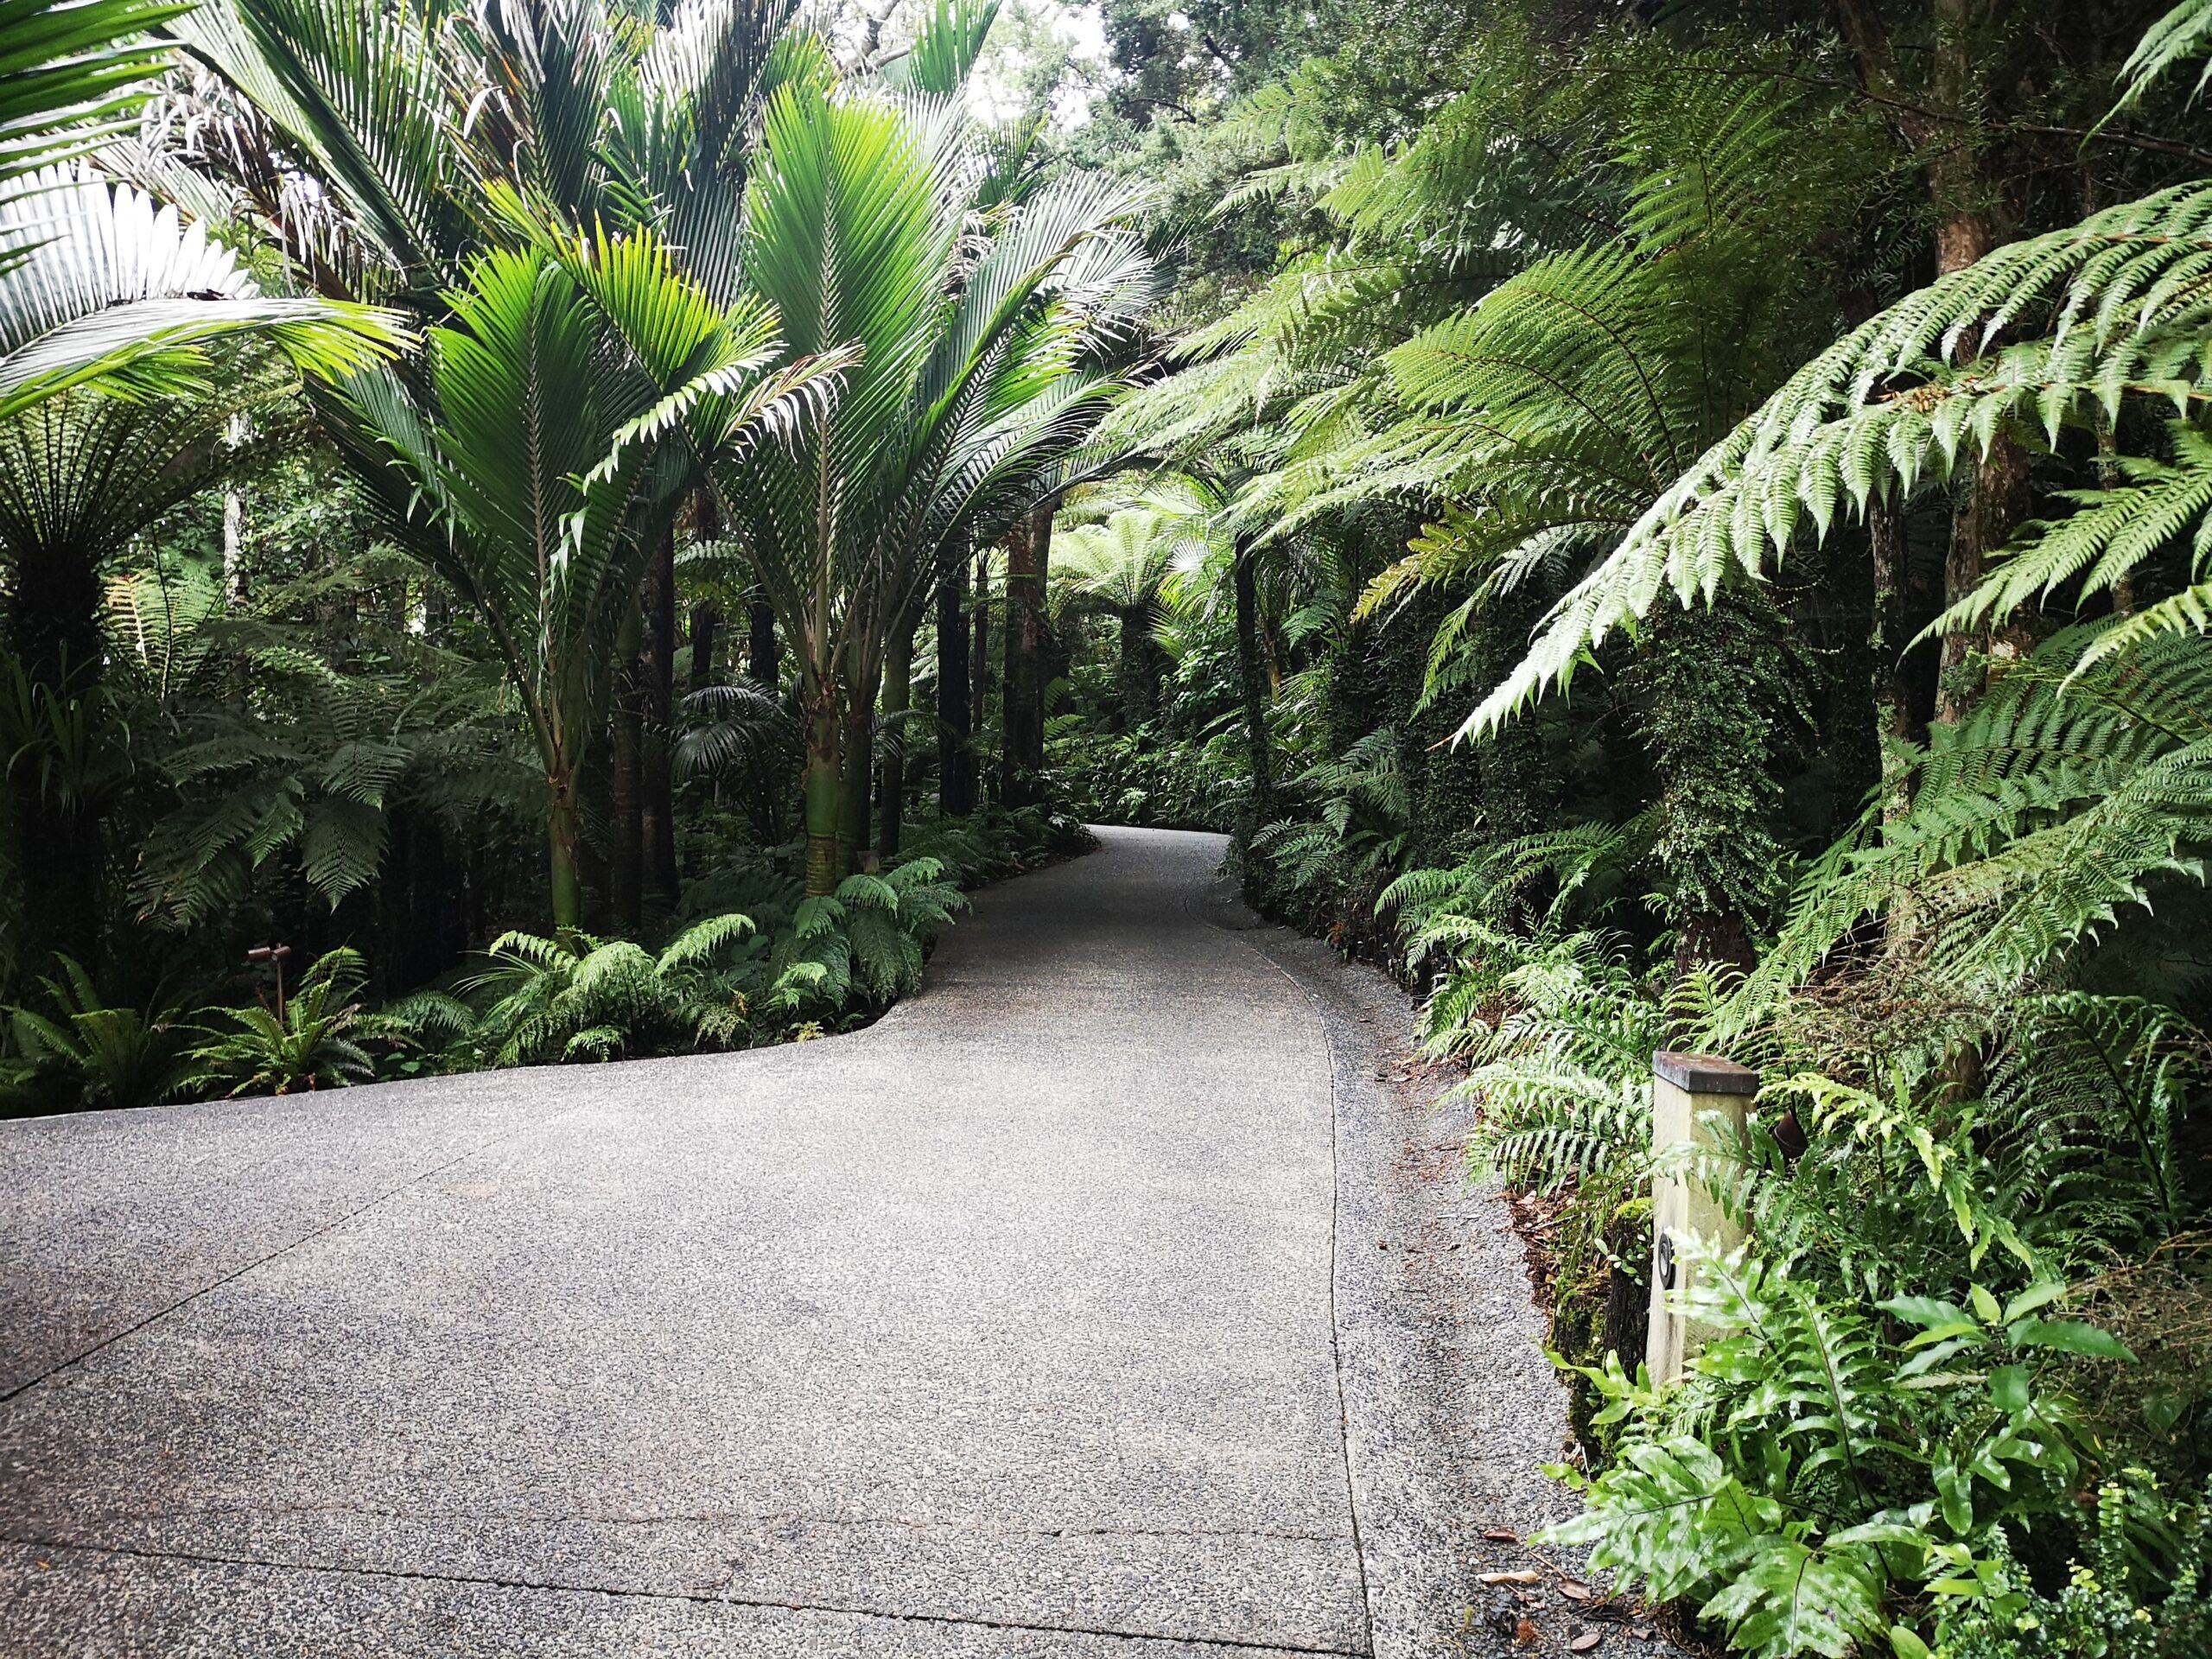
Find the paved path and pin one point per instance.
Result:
(1107, 1298)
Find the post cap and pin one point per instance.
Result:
(1704, 1074)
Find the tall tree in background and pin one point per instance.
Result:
(972, 379)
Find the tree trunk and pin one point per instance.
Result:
(567, 891)
(898, 698)
(53, 629)
(825, 860)
(979, 665)
(706, 631)
(1029, 548)
(1943, 120)
(1894, 724)
(1252, 682)
(764, 657)
(2108, 478)
(626, 850)
(1138, 670)
(1990, 507)
(857, 771)
(657, 710)
(956, 760)
(428, 936)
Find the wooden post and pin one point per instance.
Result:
(1692, 1096)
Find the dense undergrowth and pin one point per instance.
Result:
(750, 960)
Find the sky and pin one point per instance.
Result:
(1024, 30)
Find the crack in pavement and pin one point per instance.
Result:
(186, 1300)
(768, 1604)
(698, 1517)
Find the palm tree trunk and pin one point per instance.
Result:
(1252, 681)
(706, 633)
(897, 699)
(764, 658)
(956, 761)
(567, 893)
(1028, 549)
(625, 875)
(979, 665)
(855, 775)
(657, 708)
(825, 859)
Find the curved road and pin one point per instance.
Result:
(1112, 1297)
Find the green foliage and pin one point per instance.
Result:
(2045, 816)
(70, 72)
(864, 942)
(2184, 34)
(1338, 861)
(314, 1043)
(2110, 312)
(86, 1052)
(1822, 1471)
(312, 762)
(2138, 1594)
(575, 997)
(102, 288)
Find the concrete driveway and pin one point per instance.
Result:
(1076, 1308)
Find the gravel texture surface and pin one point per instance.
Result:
(1113, 1296)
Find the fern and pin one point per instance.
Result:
(91, 1052)
(1822, 1468)
(2181, 35)
(1900, 402)
(2077, 781)
(313, 1043)
(575, 997)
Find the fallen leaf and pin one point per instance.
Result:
(1587, 1640)
(1503, 1536)
(1642, 1632)
(1525, 1632)
(1575, 1589)
(1526, 1575)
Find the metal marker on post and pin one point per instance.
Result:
(1687, 1092)
(274, 955)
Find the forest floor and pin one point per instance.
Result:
(1116, 1295)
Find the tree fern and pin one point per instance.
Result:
(2184, 34)
(2076, 782)
(1899, 402)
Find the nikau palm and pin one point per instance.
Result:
(871, 222)
(527, 468)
